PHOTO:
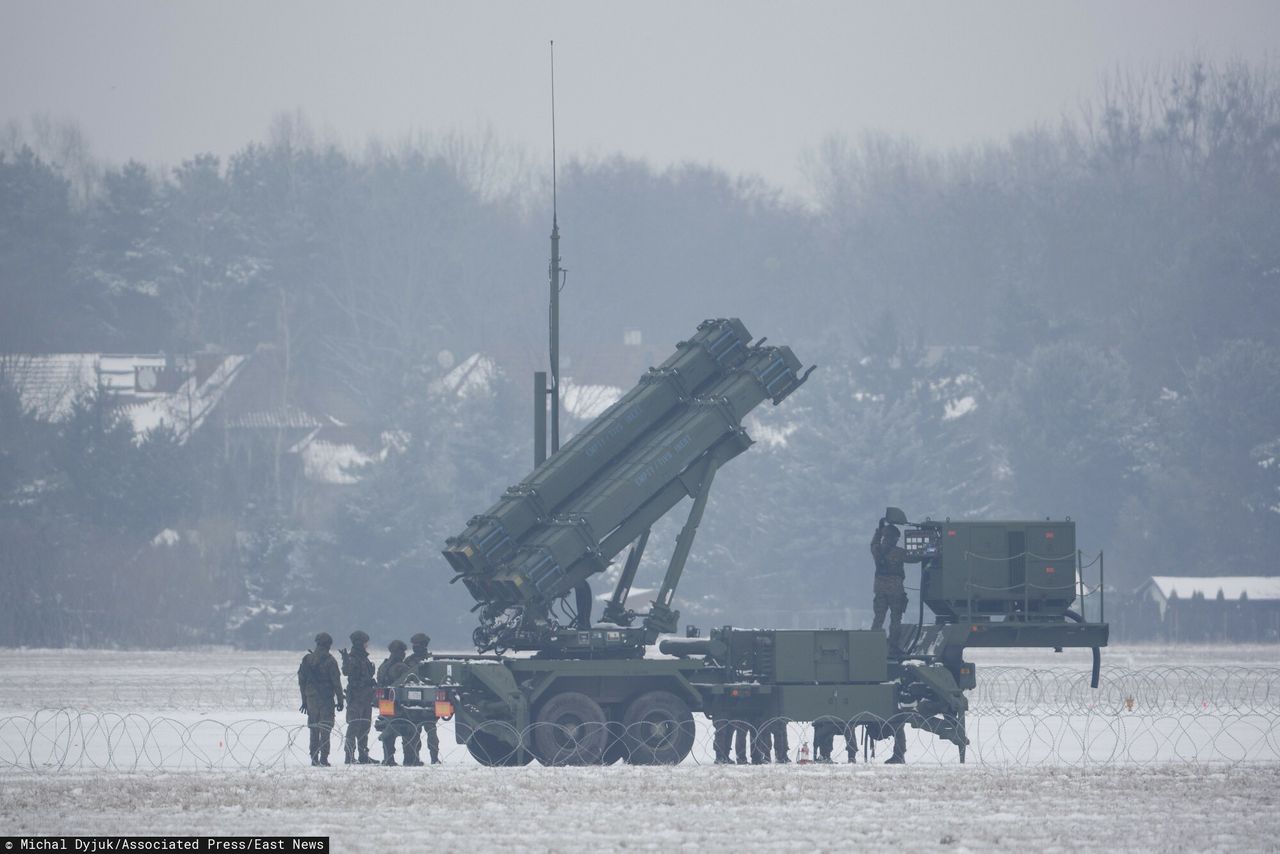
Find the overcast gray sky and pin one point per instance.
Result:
(746, 85)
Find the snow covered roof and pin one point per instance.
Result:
(151, 390)
(473, 376)
(280, 418)
(587, 401)
(1256, 587)
(331, 462)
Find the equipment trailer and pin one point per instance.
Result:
(587, 693)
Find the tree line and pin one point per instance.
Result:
(1078, 320)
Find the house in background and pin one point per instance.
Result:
(150, 390)
(272, 446)
(1238, 608)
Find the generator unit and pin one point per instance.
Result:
(991, 569)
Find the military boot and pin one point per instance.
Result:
(895, 625)
(315, 759)
(324, 759)
(348, 755)
(896, 759)
(365, 759)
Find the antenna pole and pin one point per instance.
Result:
(555, 274)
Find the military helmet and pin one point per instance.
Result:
(359, 636)
(323, 639)
(397, 646)
(420, 639)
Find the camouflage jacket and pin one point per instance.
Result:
(413, 660)
(358, 669)
(318, 679)
(890, 559)
(390, 672)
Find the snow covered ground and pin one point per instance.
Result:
(209, 741)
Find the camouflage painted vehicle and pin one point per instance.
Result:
(588, 692)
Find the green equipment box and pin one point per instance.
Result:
(971, 568)
(805, 657)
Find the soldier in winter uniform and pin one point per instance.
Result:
(358, 669)
(321, 688)
(824, 739)
(890, 594)
(729, 735)
(390, 671)
(425, 719)
(769, 743)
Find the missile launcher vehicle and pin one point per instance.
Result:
(589, 692)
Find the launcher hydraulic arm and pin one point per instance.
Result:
(661, 442)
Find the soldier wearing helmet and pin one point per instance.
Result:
(358, 669)
(390, 671)
(320, 685)
(890, 592)
(423, 719)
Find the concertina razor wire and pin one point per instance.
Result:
(1017, 717)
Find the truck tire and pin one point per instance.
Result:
(490, 750)
(571, 729)
(659, 729)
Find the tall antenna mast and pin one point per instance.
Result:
(555, 273)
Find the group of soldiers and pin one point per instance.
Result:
(745, 743)
(320, 685)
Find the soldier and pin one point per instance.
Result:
(851, 742)
(769, 743)
(899, 756)
(426, 719)
(390, 671)
(890, 594)
(321, 689)
(722, 737)
(824, 739)
(729, 736)
(358, 669)
(740, 734)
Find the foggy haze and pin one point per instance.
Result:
(268, 326)
(748, 87)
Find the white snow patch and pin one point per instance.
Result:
(959, 408)
(1256, 587)
(473, 376)
(770, 435)
(330, 462)
(586, 401)
(167, 537)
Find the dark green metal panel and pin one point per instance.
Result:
(996, 568)
(829, 656)
(858, 703)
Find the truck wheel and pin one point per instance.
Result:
(490, 750)
(571, 729)
(659, 729)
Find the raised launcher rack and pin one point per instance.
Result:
(999, 584)
(604, 489)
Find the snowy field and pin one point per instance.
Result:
(210, 741)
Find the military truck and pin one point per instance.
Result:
(550, 683)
